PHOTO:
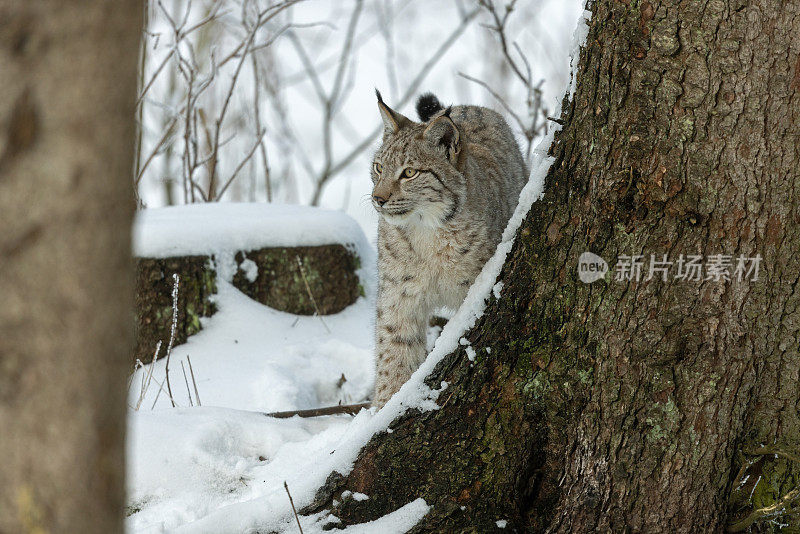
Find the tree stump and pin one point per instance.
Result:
(299, 280)
(154, 301)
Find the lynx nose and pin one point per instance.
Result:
(380, 200)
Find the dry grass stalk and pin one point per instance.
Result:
(186, 380)
(308, 290)
(296, 518)
(194, 382)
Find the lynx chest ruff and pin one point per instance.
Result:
(445, 189)
(437, 264)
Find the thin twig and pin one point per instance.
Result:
(497, 97)
(257, 119)
(308, 289)
(333, 98)
(194, 382)
(385, 19)
(149, 84)
(138, 365)
(285, 485)
(531, 127)
(156, 150)
(158, 393)
(139, 111)
(226, 102)
(499, 28)
(241, 165)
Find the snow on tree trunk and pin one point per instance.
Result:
(66, 206)
(650, 405)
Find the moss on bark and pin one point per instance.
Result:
(154, 285)
(329, 272)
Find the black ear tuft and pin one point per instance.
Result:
(378, 94)
(427, 106)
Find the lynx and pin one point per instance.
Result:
(445, 188)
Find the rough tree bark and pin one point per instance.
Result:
(67, 96)
(657, 406)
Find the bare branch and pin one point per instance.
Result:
(500, 28)
(241, 164)
(308, 67)
(329, 171)
(348, 43)
(258, 127)
(350, 409)
(167, 133)
(384, 10)
(497, 97)
(535, 121)
(227, 101)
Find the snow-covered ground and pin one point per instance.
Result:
(189, 461)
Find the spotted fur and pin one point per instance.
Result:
(438, 227)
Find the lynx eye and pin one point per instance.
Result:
(377, 167)
(409, 173)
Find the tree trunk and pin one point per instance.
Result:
(66, 146)
(655, 406)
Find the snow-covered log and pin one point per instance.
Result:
(295, 259)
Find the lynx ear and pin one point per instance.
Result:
(443, 134)
(392, 121)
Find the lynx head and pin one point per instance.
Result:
(416, 171)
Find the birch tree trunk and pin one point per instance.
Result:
(653, 406)
(67, 96)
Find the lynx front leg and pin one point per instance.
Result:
(400, 341)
